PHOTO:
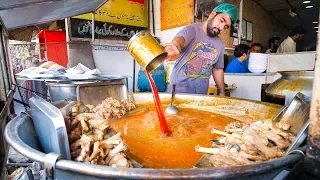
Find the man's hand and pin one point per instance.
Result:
(173, 52)
(174, 48)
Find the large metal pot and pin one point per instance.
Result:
(21, 135)
(291, 82)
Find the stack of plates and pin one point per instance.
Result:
(257, 62)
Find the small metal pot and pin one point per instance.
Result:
(146, 51)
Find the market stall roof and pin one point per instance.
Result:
(21, 13)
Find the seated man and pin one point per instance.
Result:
(256, 48)
(237, 65)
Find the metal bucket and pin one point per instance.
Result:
(21, 135)
(146, 51)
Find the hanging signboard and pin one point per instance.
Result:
(81, 28)
(176, 13)
(126, 12)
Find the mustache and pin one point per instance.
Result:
(216, 32)
(216, 29)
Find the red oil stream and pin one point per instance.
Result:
(155, 93)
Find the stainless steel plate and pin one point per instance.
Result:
(50, 127)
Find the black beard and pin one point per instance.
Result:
(210, 31)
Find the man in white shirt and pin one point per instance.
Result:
(273, 43)
(289, 44)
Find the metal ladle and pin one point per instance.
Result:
(172, 109)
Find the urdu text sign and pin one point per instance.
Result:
(126, 12)
(176, 13)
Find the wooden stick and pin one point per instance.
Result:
(207, 150)
(215, 131)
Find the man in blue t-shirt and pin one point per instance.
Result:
(237, 65)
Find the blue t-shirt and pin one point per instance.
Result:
(235, 66)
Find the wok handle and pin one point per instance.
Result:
(173, 93)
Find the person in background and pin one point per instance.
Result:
(256, 48)
(241, 55)
(199, 52)
(289, 44)
(273, 44)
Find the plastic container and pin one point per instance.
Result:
(159, 77)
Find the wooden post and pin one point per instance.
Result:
(312, 161)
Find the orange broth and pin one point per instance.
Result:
(149, 147)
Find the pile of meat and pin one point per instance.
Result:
(242, 144)
(90, 137)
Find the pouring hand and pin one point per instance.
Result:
(173, 52)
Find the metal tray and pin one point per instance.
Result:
(50, 126)
(296, 113)
(95, 93)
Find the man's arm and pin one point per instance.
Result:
(218, 76)
(182, 39)
(174, 48)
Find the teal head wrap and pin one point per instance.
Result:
(228, 9)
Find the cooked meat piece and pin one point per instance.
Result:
(258, 142)
(218, 160)
(74, 135)
(233, 138)
(83, 109)
(116, 137)
(75, 109)
(278, 140)
(75, 154)
(245, 144)
(91, 107)
(67, 121)
(119, 148)
(256, 158)
(111, 108)
(99, 135)
(101, 161)
(84, 155)
(96, 151)
(207, 150)
(84, 125)
(215, 131)
(269, 124)
(98, 123)
(85, 116)
(284, 125)
(120, 160)
(76, 145)
(90, 137)
(86, 141)
(235, 127)
(74, 122)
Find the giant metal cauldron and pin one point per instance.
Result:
(21, 135)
